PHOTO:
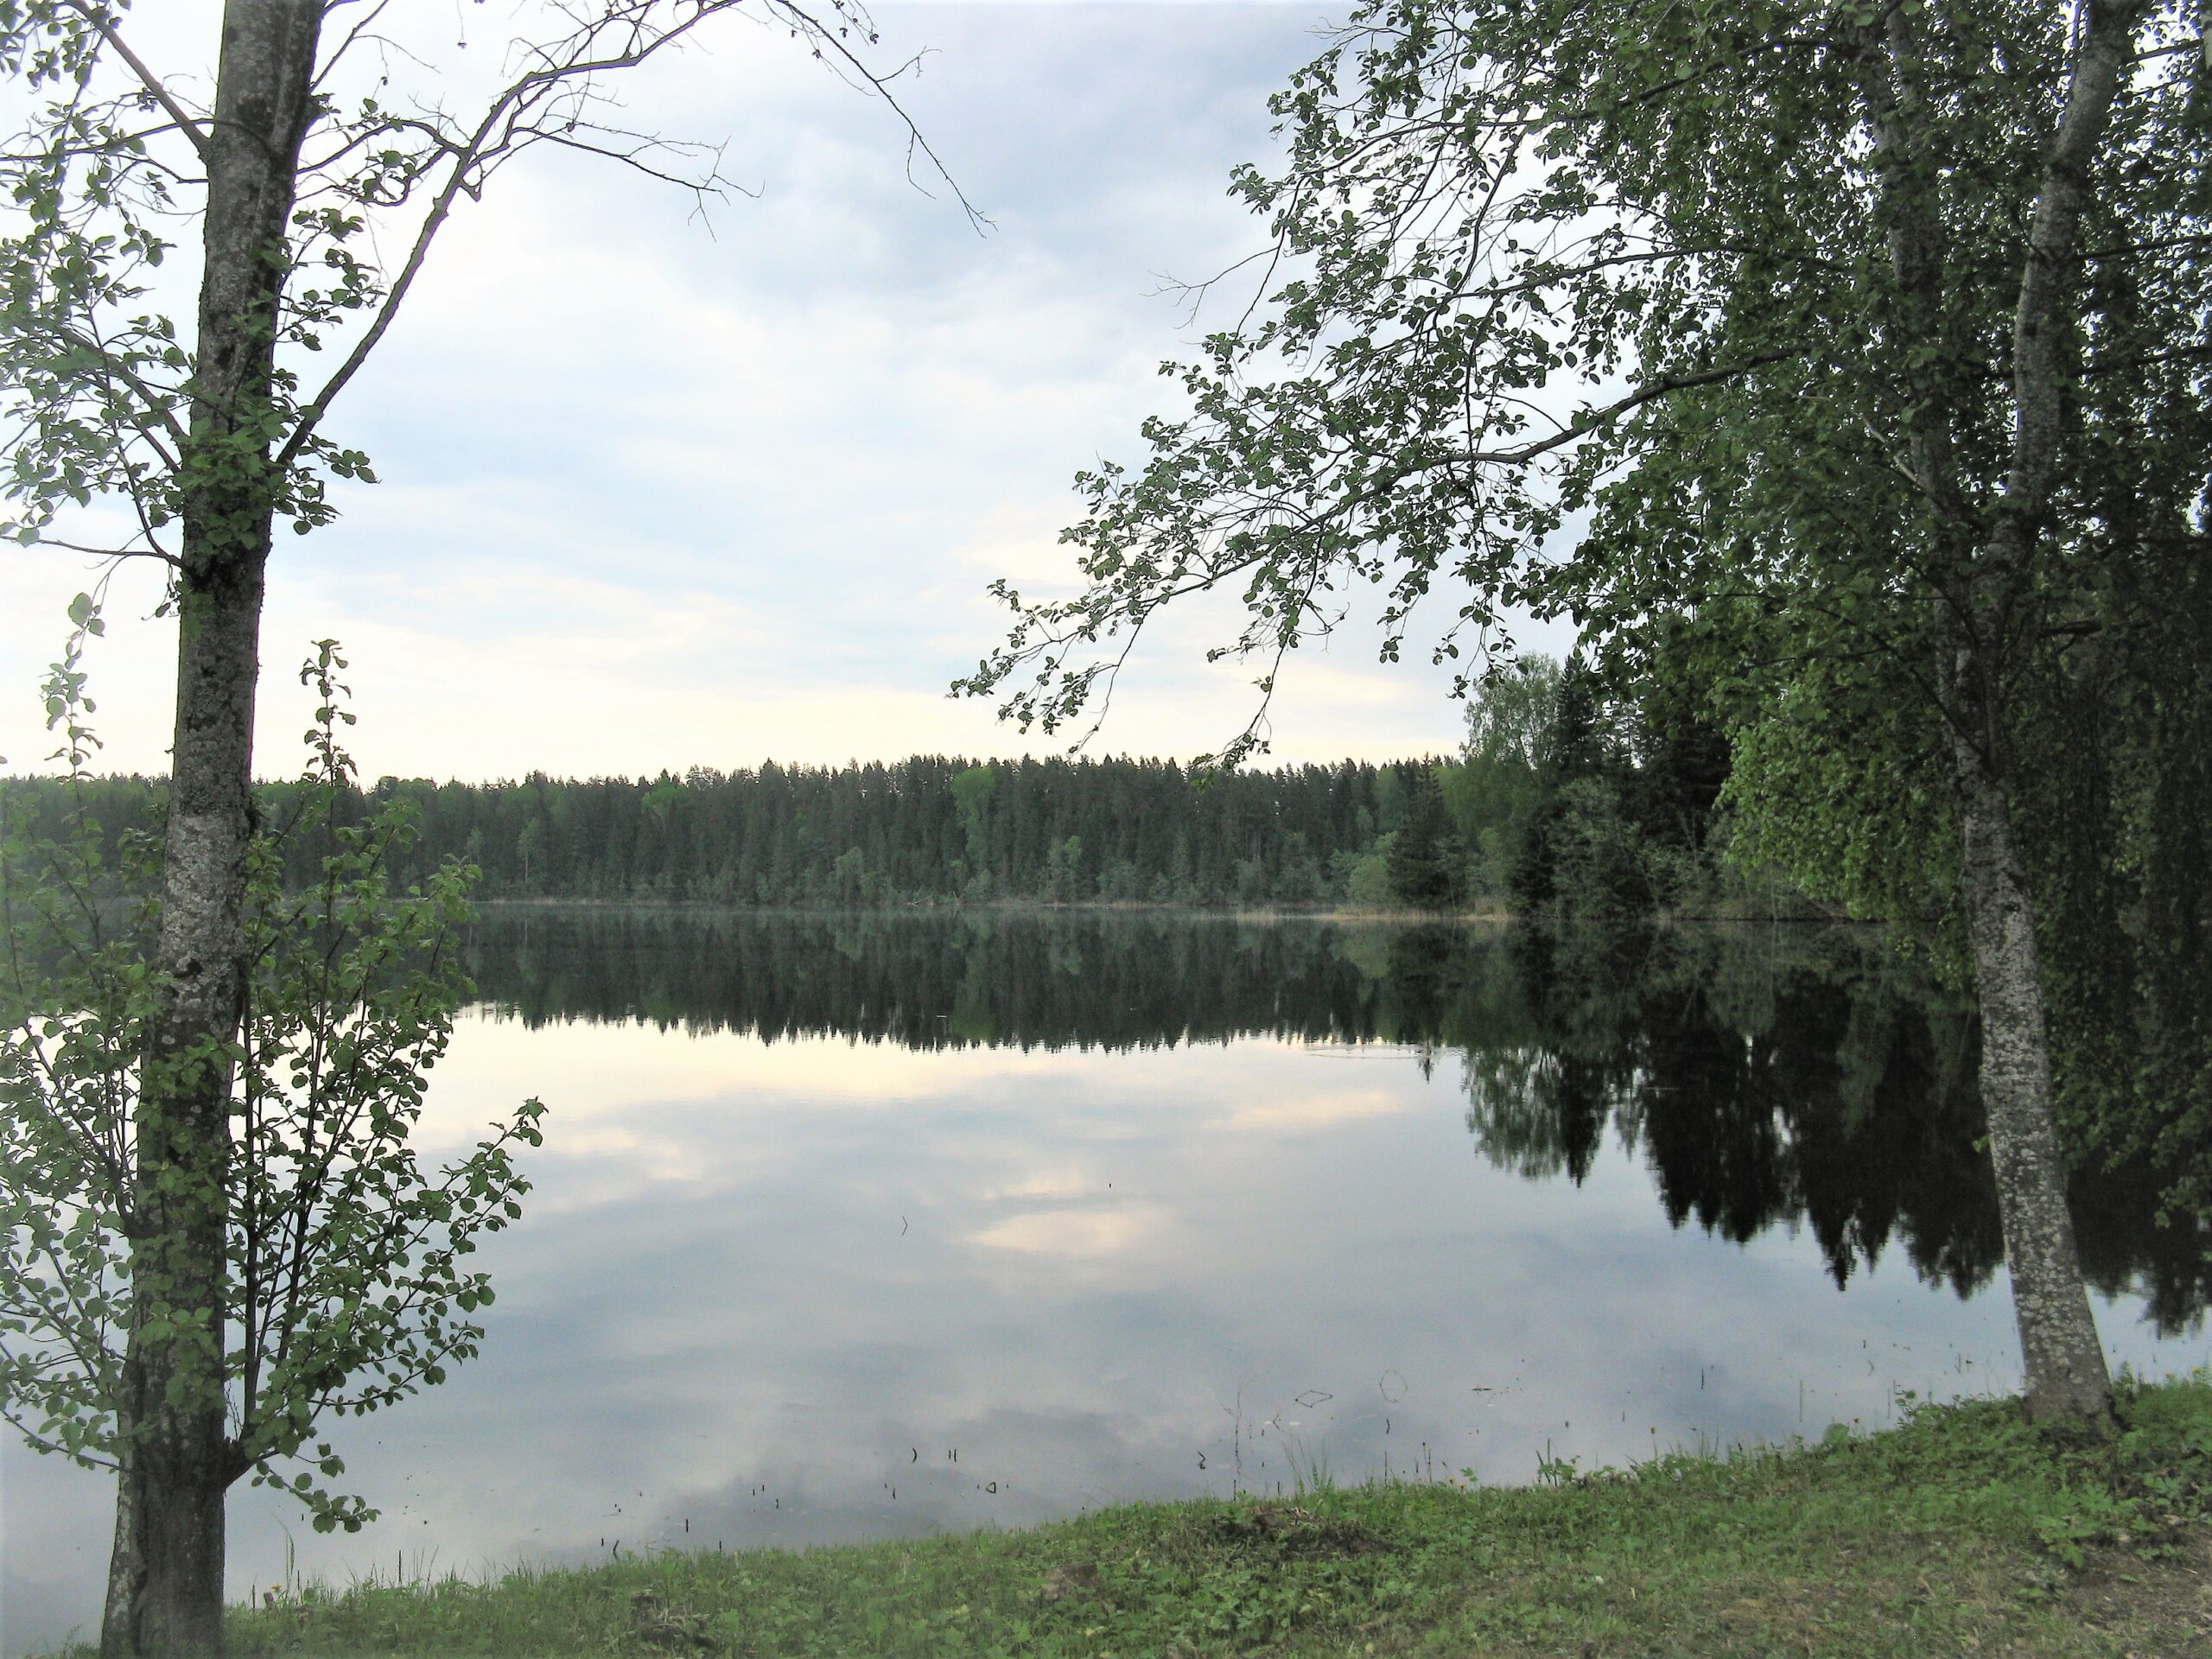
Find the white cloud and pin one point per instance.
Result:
(656, 498)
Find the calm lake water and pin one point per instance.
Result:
(863, 1228)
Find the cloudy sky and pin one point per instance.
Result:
(660, 493)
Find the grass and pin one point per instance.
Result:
(1965, 1531)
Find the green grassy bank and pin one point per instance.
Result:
(1963, 1532)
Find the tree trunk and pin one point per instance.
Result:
(2065, 1375)
(165, 1579)
(1989, 574)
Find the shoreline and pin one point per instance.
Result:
(1962, 1529)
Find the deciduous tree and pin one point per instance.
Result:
(1854, 348)
(200, 439)
(346, 1282)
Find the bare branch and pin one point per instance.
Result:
(98, 18)
(170, 559)
(353, 35)
(543, 105)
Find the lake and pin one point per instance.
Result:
(861, 1227)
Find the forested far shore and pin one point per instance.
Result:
(1569, 799)
(931, 829)
(1561, 802)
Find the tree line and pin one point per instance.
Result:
(1574, 796)
(1564, 800)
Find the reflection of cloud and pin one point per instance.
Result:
(1061, 1181)
(1089, 1233)
(628, 1069)
(745, 1296)
(1317, 1111)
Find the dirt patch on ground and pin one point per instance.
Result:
(2157, 1603)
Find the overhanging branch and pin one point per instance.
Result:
(155, 88)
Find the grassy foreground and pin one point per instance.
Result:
(1963, 1532)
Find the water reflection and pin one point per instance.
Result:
(1768, 1076)
(926, 981)
(876, 1227)
(1791, 1079)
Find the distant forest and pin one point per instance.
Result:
(1561, 802)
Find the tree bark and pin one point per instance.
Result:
(2066, 1376)
(165, 1580)
(1987, 578)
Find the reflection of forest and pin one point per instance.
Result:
(1765, 1076)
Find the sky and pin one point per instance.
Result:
(659, 492)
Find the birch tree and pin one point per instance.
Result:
(1838, 355)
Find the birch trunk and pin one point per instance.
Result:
(165, 1580)
(2065, 1377)
(1987, 556)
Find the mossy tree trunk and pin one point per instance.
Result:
(176, 1457)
